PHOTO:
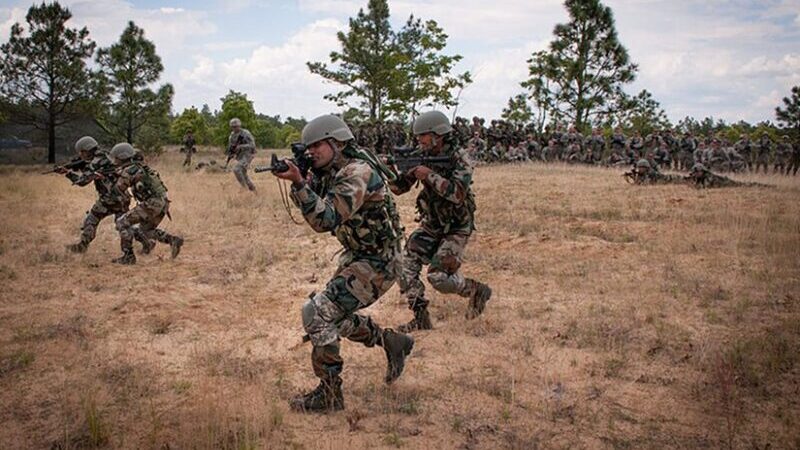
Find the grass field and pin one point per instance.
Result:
(623, 317)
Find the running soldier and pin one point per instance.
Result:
(242, 147)
(447, 209)
(153, 204)
(346, 195)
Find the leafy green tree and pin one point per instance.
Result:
(789, 115)
(43, 76)
(518, 111)
(580, 76)
(641, 113)
(235, 104)
(127, 69)
(190, 119)
(391, 73)
(423, 71)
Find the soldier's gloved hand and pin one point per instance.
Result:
(421, 172)
(293, 174)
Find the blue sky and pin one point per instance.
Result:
(731, 59)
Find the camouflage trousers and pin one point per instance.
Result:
(243, 161)
(188, 160)
(147, 215)
(332, 314)
(100, 210)
(443, 254)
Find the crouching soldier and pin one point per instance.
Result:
(153, 204)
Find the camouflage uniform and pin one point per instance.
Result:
(764, 148)
(189, 148)
(794, 162)
(153, 205)
(108, 200)
(446, 206)
(244, 154)
(783, 154)
(702, 178)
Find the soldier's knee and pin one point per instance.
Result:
(308, 312)
(444, 282)
(122, 223)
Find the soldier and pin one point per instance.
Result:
(242, 147)
(745, 148)
(477, 147)
(763, 149)
(93, 165)
(346, 195)
(644, 173)
(597, 144)
(717, 158)
(188, 148)
(794, 162)
(152, 206)
(701, 177)
(447, 208)
(618, 142)
(636, 146)
(687, 151)
(662, 156)
(783, 155)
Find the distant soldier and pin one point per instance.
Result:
(783, 155)
(619, 142)
(701, 177)
(153, 204)
(645, 173)
(93, 165)
(687, 151)
(597, 144)
(763, 151)
(242, 147)
(476, 147)
(717, 158)
(447, 207)
(188, 148)
(794, 162)
(745, 148)
(662, 155)
(636, 146)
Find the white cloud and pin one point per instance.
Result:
(274, 77)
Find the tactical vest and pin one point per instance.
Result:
(442, 215)
(375, 229)
(148, 185)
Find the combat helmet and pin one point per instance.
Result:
(643, 163)
(85, 144)
(325, 127)
(432, 122)
(698, 167)
(122, 151)
(235, 122)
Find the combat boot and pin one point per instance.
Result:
(175, 245)
(148, 246)
(80, 247)
(127, 258)
(326, 397)
(396, 346)
(481, 293)
(421, 321)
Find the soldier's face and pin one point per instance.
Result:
(86, 155)
(321, 154)
(426, 141)
(235, 128)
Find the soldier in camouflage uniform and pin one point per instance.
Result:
(189, 148)
(644, 173)
(346, 195)
(763, 150)
(243, 146)
(153, 204)
(97, 168)
(700, 177)
(783, 154)
(447, 209)
(794, 162)
(745, 148)
(597, 144)
(686, 151)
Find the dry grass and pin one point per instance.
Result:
(623, 317)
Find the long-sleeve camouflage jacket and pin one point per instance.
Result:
(104, 185)
(446, 204)
(145, 182)
(350, 199)
(247, 144)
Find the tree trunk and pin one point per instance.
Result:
(51, 138)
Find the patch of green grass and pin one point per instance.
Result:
(16, 361)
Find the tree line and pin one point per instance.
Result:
(47, 79)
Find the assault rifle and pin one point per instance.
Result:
(404, 159)
(96, 175)
(299, 159)
(231, 151)
(75, 163)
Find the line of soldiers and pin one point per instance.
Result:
(645, 172)
(505, 142)
(118, 176)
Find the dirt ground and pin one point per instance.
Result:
(623, 317)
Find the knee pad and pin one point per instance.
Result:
(308, 311)
(446, 283)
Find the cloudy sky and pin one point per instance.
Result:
(731, 59)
